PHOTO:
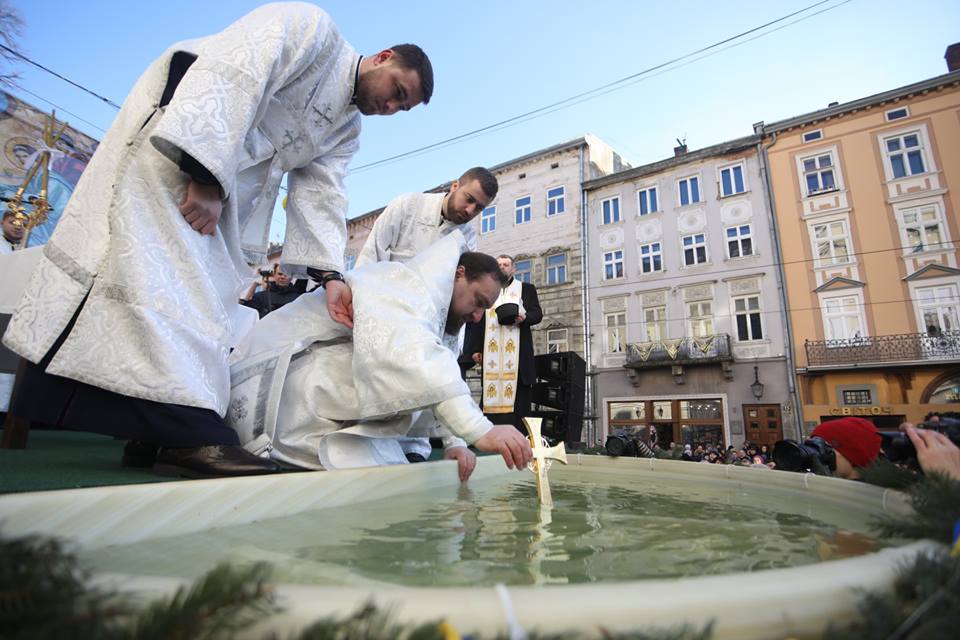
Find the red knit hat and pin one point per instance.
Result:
(854, 438)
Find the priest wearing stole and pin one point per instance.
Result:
(309, 392)
(414, 221)
(503, 347)
(131, 314)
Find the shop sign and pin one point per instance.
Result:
(861, 411)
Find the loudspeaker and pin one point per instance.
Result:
(566, 366)
(560, 426)
(559, 395)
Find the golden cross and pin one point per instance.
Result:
(543, 457)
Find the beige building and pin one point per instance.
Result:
(865, 198)
(536, 218)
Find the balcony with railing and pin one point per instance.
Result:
(900, 348)
(679, 351)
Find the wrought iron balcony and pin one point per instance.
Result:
(894, 348)
(679, 351)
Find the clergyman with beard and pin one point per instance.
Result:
(339, 398)
(129, 318)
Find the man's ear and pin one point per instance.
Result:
(461, 272)
(384, 56)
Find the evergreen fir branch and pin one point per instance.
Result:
(884, 473)
(936, 505)
(218, 605)
(44, 595)
(925, 604)
(369, 623)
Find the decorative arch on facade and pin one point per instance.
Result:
(941, 384)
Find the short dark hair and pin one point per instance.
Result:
(488, 181)
(476, 265)
(410, 56)
(503, 255)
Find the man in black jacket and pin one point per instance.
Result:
(503, 346)
(280, 290)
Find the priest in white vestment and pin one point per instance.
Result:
(134, 308)
(414, 221)
(316, 395)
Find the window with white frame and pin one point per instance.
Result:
(731, 180)
(700, 319)
(350, 261)
(557, 340)
(694, 249)
(905, 154)
(831, 244)
(647, 201)
(810, 136)
(557, 268)
(523, 270)
(746, 310)
(555, 201)
(610, 209)
(522, 210)
(843, 318)
(613, 265)
(655, 323)
(922, 228)
(739, 241)
(688, 190)
(937, 308)
(651, 258)
(488, 220)
(896, 114)
(819, 174)
(616, 331)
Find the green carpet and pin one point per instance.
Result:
(67, 460)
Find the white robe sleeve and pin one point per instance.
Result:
(221, 97)
(384, 234)
(316, 234)
(462, 417)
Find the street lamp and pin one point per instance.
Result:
(756, 387)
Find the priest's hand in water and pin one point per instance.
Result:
(509, 443)
(466, 461)
(201, 207)
(340, 302)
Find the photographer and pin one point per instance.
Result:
(839, 447)
(279, 290)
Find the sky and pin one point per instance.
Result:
(498, 59)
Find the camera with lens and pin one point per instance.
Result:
(813, 453)
(627, 442)
(898, 448)
(265, 273)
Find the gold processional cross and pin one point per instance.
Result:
(543, 457)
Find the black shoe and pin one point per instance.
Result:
(213, 461)
(139, 455)
(415, 457)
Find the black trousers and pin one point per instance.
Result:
(62, 402)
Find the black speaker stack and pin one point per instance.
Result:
(558, 396)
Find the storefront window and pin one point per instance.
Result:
(662, 410)
(701, 410)
(709, 435)
(627, 411)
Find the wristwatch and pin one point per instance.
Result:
(332, 275)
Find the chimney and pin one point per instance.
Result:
(832, 104)
(680, 149)
(953, 57)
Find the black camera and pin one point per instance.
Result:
(897, 447)
(790, 455)
(625, 442)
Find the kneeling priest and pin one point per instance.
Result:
(310, 392)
